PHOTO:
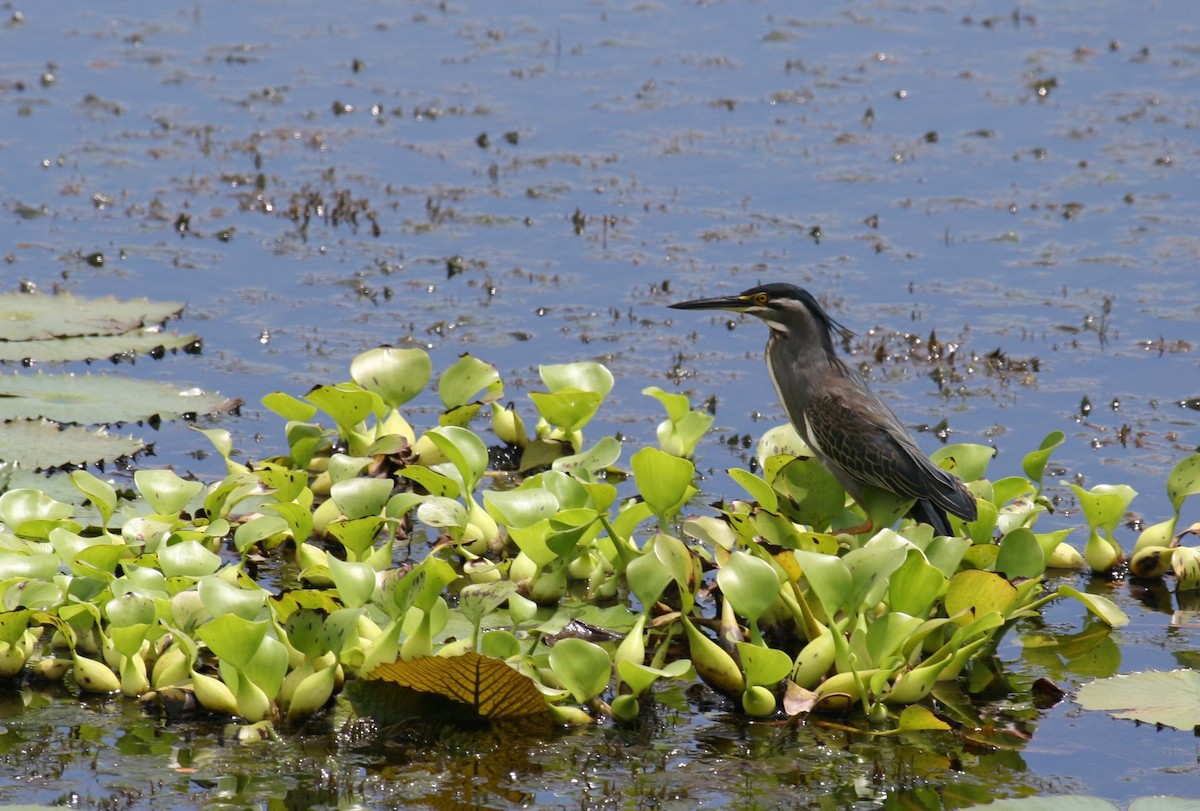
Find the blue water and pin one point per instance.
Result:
(994, 173)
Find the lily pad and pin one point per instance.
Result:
(100, 399)
(26, 317)
(41, 445)
(1171, 698)
(96, 347)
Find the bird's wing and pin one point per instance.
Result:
(874, 447)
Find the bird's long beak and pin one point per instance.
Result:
(735, 303)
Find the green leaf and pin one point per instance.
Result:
(289, 407)
(166, 492)
(355, 581)
(466, 380)
(1105, 504)
(187, 559)
(20, 507)
(582, 375)
(594, 460)
(361, 497)
(751, 586)
(347, 405)
(568, 409)
(968, 462)
(1170, 698)
(1034, 464)
(915, 585)
(41, 445)
(521, 508)
(664, 481)
(1102, 607)
(647, 579)
(758, 489)
(465, 451)
(1184, 480)
(1020, 555)
(233, 639)
(88, 399)
(764, 666)
(582, 667)
(396, 375)
(916, 717)
(99, 492)
(221, 598)
(828, 577)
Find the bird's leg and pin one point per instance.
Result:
(861, 529)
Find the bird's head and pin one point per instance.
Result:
(790, 312)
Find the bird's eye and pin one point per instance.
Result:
(761, 299)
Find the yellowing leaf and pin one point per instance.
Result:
(489, 686)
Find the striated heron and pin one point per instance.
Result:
(854, 433)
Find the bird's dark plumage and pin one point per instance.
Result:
(854, 433)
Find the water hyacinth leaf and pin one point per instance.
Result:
(360, 497)
(647, 579)
(1184, 480)
(258, 529)
(886, 635)
(480, 599)
(1102, 607)
(442, 512)
(684, 567)
(664, 481)
(581, 375)
(225, 599)
(434, 483)
(465, 451)
(872, 564)
(99, 492)
(1105, 504)
(915, 585)
(599, 457)
(711, 530)
(29, 567)
(683, 428)
(488, 686)
(290, 408)
(763, 666)
(466, 380)
(582, 667)
(285, 485)
(568, 409)
(268, 667)
(187, 559)
(396, 375)
(499, 645)
(522, 507)
(1034, 463)
(829, 578)
(19, 507)
(1020, 555)
(90, 399)
(808, 492)
(968, 461)
(973, 593)
(750, 584)
(916, 717)
(357, 536)
(347, 405)
(1171, 698)
(758, 489)
(166, 492)
(41, 445)
(233, 639)
(355, 581)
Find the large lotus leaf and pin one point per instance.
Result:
(95, 347)
(39, 445)
(25, 317)
(99, 399)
